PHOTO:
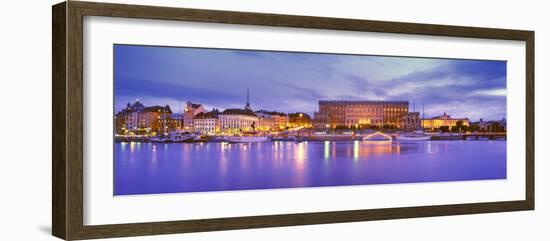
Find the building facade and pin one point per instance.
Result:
(348, 114)
(137, 119)
(265, 122)
(189, 112)
(299, 119)
(278, 120)
(411, 121)
(177, 119)
(492, 125)
(444, 121)
(237, 121)
(207, 123)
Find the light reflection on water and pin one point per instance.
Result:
(191, 167)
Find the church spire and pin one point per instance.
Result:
(247, 107)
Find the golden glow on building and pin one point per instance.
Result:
(444, 120)
(362, 112)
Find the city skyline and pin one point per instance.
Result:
(294, 82)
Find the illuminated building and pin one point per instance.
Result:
(236, 121)
(139, 119)
(265, 122)
(360, 113)
(190, 111)
(207, 122)
(278, 120)
(411, 121)
(299, 119)
(178, 119)
(442, 121)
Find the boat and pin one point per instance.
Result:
(180, 136)
(299, 138)
(414, 136)
(161, 139)
(200, 138)
(246, 139)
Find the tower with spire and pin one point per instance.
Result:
(247, 107)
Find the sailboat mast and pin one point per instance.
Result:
(164, 120)
(422, 122)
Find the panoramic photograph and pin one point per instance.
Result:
(192, 119)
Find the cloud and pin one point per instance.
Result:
(302, 92)
(453, 86)
(294, 82)
(140, 87)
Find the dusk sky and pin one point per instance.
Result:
(295, 82)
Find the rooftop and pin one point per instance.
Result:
(206, 115)
(271, 112)
(238, 112)
(139, 107)
(446, 117)
(363, 102)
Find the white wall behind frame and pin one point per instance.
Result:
(100, 33)
(25, 175)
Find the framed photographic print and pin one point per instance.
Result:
(171, 120)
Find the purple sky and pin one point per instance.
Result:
(292, 82)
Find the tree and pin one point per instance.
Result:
(340, 127)
(444, 128)
(459, 125)
(496, 127)
(455, 129)
(473, 128)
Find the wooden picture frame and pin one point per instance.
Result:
(67, 123)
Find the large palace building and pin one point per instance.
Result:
(347, 113)
(444, 120)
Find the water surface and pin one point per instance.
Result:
(146, 168)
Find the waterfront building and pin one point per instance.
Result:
(177, 119)
(189, 112)
(360, 113)
(443, 121)
(207, 122)
(279, 120)
(492, 125)
(411, 121)
(237, 121)
(141, 120)
(266, 122)
(299, 119)
(167, 122)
